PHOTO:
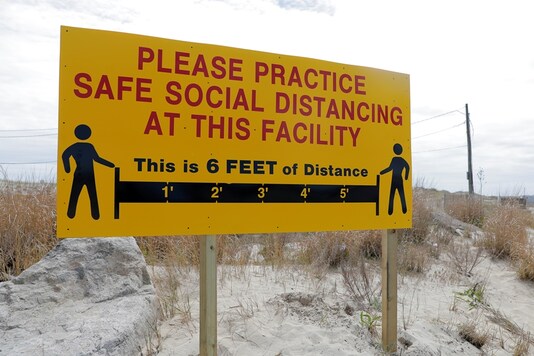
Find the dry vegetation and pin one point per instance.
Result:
(506, 234)
(27, 224)
(27, 231)
(465, 208)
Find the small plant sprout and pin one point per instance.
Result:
(369, 321)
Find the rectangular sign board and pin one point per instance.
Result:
(164, 137)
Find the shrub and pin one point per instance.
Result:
(469, 209)
(465, 258)
(333, 248)
(525, 267)
(273, 248)
(413, 257)
(170, 250)
(362, 283)
(325, 249)
(27, 224)
(368, 243)
(473, 296)
(182, 251)
(505, 231)
(469, 333)
(422, 219)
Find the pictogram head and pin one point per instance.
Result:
(397, 148)
(82, 132)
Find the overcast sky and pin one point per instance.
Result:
(478, 53)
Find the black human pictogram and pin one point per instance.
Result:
(84, 155)
(397, 166)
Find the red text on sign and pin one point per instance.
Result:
(112, 89)
(221, 127)
(310, 78)
(154, 123)
(185, 63)
(214, 96)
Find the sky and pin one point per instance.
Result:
(478, 53)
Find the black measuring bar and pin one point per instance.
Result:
(192, 192)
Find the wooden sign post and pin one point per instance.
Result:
(208, 295)
(389, 290)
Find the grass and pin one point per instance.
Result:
(468, 331)
(525, 264)
(413, 258)
(27, 230)
(416, 245)
(27, 225)
(363, 284)
(506, 231)
(422, 219)
(505, 228)
(466, 208)
(177, 250)
(473, 296)
(464, 257)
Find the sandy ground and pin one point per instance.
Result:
(296, 310)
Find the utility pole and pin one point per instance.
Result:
(469, 154)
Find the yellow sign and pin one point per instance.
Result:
(163, 137)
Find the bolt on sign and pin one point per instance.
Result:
(164, 137)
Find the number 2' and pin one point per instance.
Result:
(215, 192)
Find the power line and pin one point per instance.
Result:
(440, 115)
(436, 132)
(16, 163)
(442, 149)
(26, 130)
(26, 136)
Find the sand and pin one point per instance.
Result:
(298, 310)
